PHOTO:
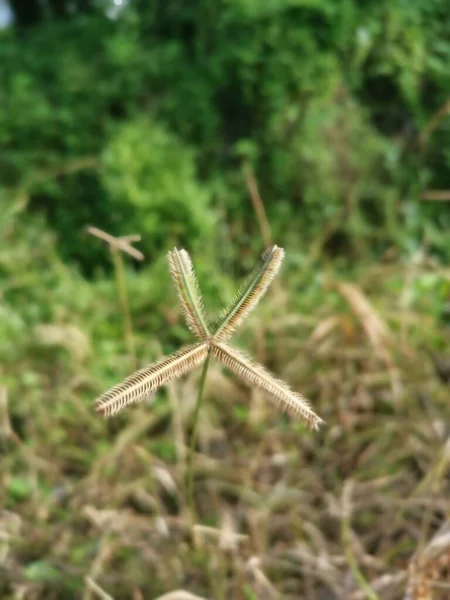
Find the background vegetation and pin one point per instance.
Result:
(165, 121)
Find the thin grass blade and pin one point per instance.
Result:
(146, 380)
(188, 290)
(255, 374)
(249, 294)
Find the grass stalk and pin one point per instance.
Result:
(346, 539)
(124, 303)
(190, 470)
(258, 204)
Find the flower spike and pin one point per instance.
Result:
(257, 375)
(148, 379)
(249, 294)
(188, 290)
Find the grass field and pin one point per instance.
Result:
(94, 508)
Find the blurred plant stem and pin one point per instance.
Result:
(124, 303)
(117, 245)
(190, 471)
(346, 540)
(258, 204)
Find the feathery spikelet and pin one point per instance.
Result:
(142, 382)
(249, 294)
(188, 291)
(256, 375)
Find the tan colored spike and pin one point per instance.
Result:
(256, 375)
(188, 290)
(146, 380)
(249, 294)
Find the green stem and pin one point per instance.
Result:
(190, 473)
(358, 576)
(124, 304)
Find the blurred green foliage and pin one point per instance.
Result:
(150, 178)
(141, 124)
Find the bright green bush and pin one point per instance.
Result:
(150, 179)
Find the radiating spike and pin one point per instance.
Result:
(188, 290)
(256, 375)
(249, 294)
(142, 382)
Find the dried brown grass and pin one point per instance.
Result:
(105, 504)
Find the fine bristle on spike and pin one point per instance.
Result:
(146, 380)
(249, 294)
(255, 374)
(188, 290)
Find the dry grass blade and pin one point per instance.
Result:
(436, 195)
(188, 290)
(257, 202)
(377, 331)
(146, 380)
(256, 375)
(250, 293)
(5, 424)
